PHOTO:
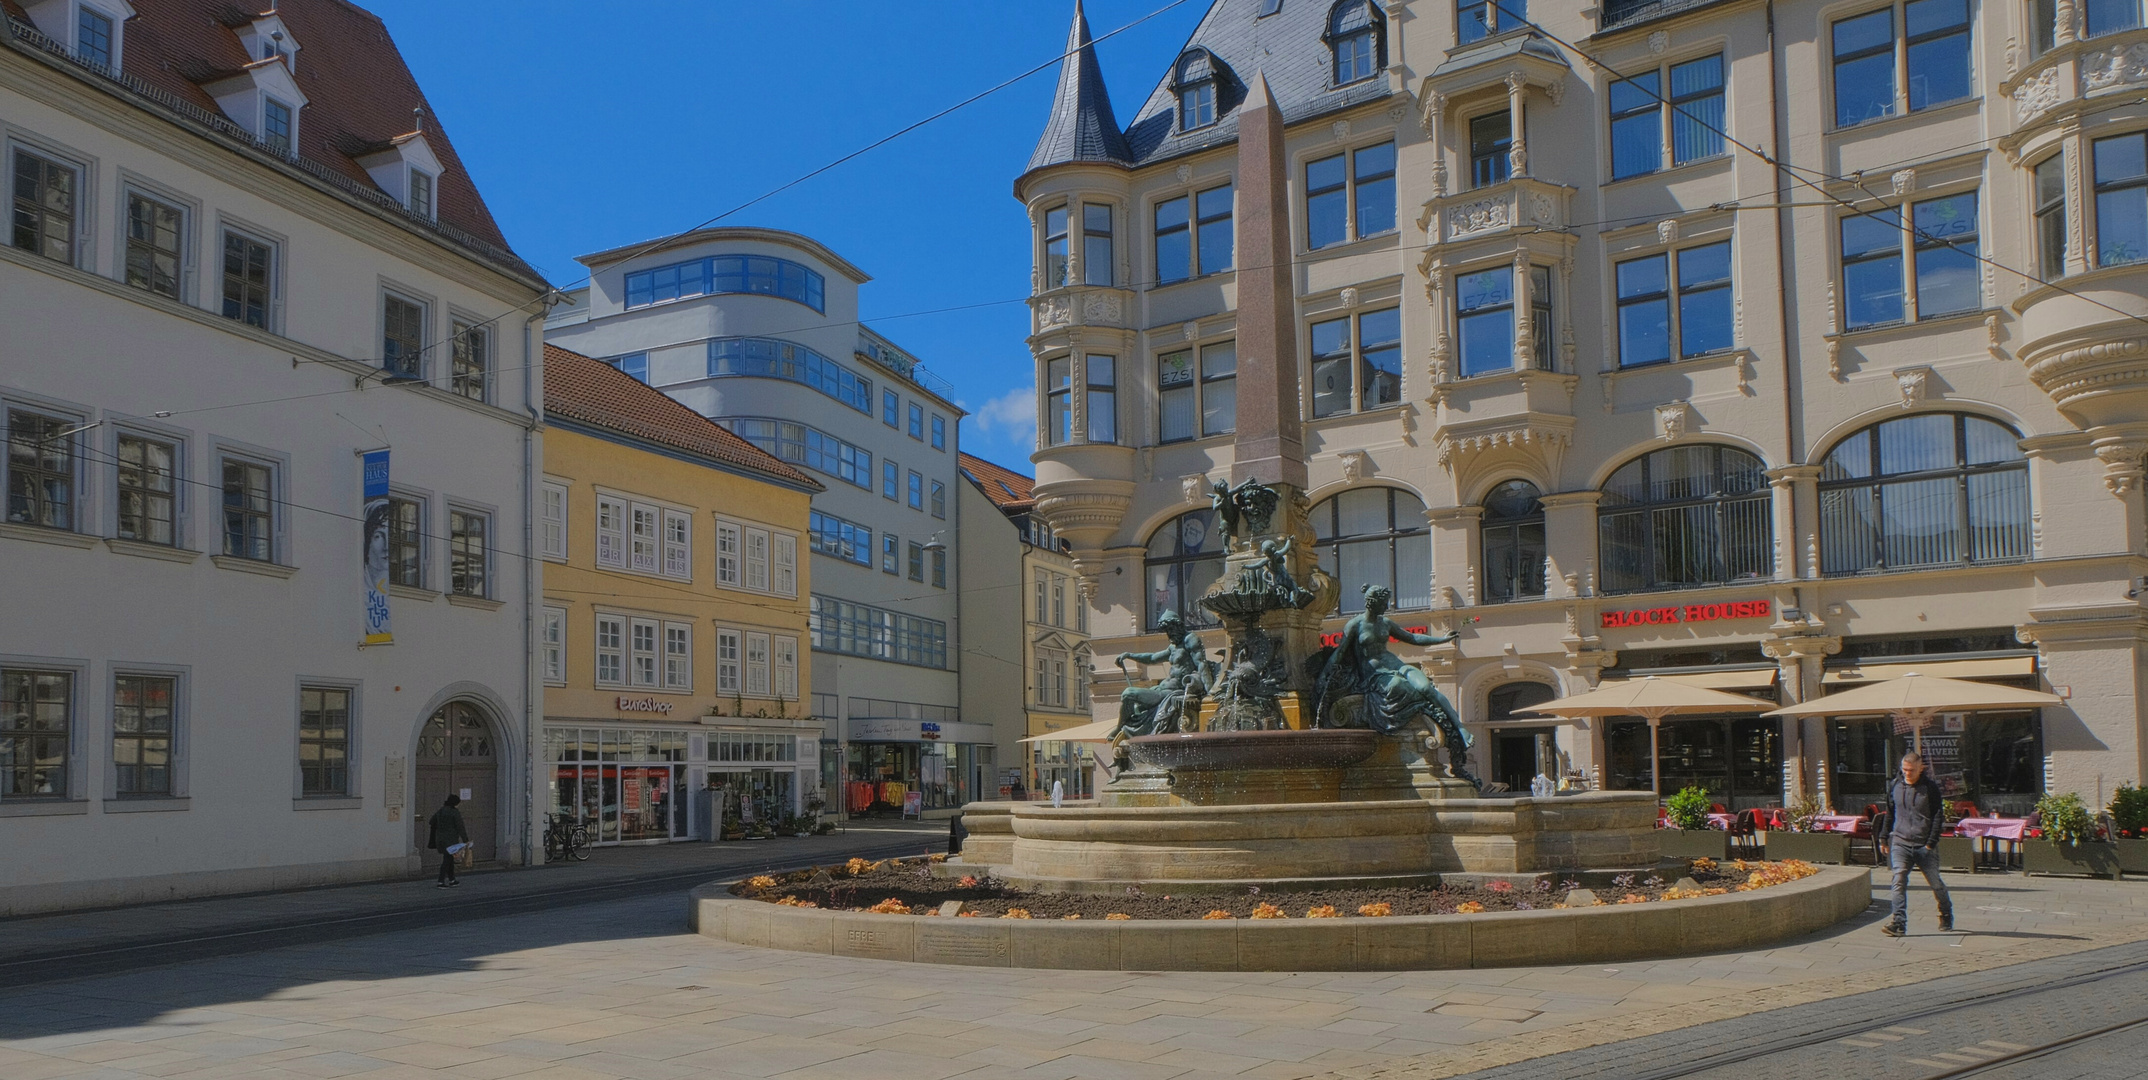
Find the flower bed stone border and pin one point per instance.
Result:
(1615, 932)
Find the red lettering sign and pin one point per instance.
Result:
(1690, 613)
(1329, 641)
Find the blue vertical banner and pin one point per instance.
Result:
(375, 541)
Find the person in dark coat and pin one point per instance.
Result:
(956, 834)
(447, 831)
(1918, 810)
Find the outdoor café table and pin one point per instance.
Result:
(1722, 821)
(1989, 833)
(1841, 823)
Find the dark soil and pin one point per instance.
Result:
(913, 883)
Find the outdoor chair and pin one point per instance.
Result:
(1745, 832)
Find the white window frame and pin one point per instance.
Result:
(645, 526)
(78, 225)
(784, 582)
(728, 545)
(552, 645)
(485, 553)
(272, 310)
(678, 662)
(757, 666)
(611, 531)
(729, 655)
(431, 209)
(678, 543)
(611, 628)
(133, 187)
(756, 560)
(786, 661)
(424, 305)
(552, 521)
(643, 661)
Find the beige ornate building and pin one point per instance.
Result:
(1775, 347)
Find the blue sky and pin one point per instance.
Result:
(588, 126)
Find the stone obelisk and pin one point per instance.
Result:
(1270, 444)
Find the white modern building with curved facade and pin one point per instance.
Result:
(758, 330)
(1597, 386)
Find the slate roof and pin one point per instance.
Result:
(360, 94)
(1009, 490)
(1289, 47)
(580, 388)
(1082, 127)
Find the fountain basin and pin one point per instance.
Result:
(1213, 750)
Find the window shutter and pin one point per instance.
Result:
(611, 532)
(726, 553)
(787, 563)
(678, 544)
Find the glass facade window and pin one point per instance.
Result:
(917, 490)
(1059, 401)
(635, 365)
(45, 209)
(890, 552)
(154, 239)
(808, 446)
(1686, 516)
(1184, 558)
(841, 539)
(2050, 214)
(1687, 123)
(1943, 245)
(623, 785)
(143, 708)
(1936, 52)
(1491, 138)
(1939, 489)
(1055, 247)
(1197, 105)
(421, 194)
(938, 500)
(1738, 761)
(1932, 53)
(402, 333)
(2111, 16)
(147, 496)
(1173, 237)
(1203, 401)
(1376, 536)
(1103, 400)
(890, 408)
(2121, 164)
(1864, 67)
(1949, 280)
(1995, 761)
(1656, 320)
(1349, 197)
(1096, 268)
(249, 510)
(876, 633)
(36, 733)
(324, 741)
(939, 432)
(1636, 125)
(770, 358)
(1476, 20)
(753, 275)
(1513, 540)
(1354, 39)
(40, 469)
(917, 421)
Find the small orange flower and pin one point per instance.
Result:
(1324, 911)
(1016, 913)
(1218, 913)
(890, 906)
(1377, 911)
(1268, 911)
(1469, 907)
(1070, 918)
(760, 882)
(967, 882)
(1117, 916)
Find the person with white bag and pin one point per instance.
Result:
(449, 837)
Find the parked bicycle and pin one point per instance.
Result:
(565, 838)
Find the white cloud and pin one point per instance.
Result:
(1010, 419)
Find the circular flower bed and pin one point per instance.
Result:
(909, 887)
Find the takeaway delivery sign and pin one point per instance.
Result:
(375, 541)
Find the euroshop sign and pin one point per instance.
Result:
(1689, 613)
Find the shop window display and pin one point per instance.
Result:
(1994, 760)
(623, 784)
(1738, 761)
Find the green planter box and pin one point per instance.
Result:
(1957, 853)
(2132, 856)
(1812, 847)
(1694, 843)
(2051, 857)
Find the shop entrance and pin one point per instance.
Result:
(1738, 761)
(456, 755)
(1519, 757)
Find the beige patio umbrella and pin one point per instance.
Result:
(1652, 699)
(1913, 699)
(1097, 732)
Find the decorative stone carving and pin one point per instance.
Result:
(2115, 66)
(1398, 110)
(2037, 94)
(1439, 180)
(1101, 308)
(1552, 441)
(1054, 312)
(1356, 466)
(1658, 42)
(1812, 555)
(1484, 215)
(1672, 419)
(1184, 173)
(1193, 487)
(1556, 91)
(1904, 181)
(1667, 231)
(2105, 381)
(1542, 209)
(1914, 383)
(1834, 340)
(1340, 129)
(2122, 464)
(1191, 331)
(1429, 112)
(1991, 336)
(1349, 296)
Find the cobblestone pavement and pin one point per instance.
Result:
(35, 948)
(618, 989)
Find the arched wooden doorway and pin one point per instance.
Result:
(456, 755)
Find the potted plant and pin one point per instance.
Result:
(2070, 844)
(1689, 836)
(2129, 820)
(1801, 841)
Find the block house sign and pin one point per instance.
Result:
(1689, 613)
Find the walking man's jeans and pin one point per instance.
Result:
(447, 869)
(1901, 857)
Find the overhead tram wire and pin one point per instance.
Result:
(1898, 220)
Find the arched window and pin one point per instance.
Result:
(1196, 83)
(1354, 34)
(1503, 702)
(1688, 515)
(1513, 565)
(1185, 557)
(1376, 536)
(1939, 489)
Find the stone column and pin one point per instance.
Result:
(1524, 314)
(1517, 99)
(1454, 554)
(1434, 121)
(1570, 535)
(1796, 502)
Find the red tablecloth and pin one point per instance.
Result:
(1995, 828)
(1722, 821)
(1841, 823)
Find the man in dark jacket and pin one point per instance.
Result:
(1918, 810)
(448, 831)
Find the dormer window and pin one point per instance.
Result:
(1354, 28)
(269, 39)
(93, 38)
(1196, 91)
(276, 126)
(421, 194)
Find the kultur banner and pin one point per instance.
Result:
(375, 540)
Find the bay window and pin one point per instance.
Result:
(1058, 402)
(1485, 319)
(1055, 247)
(1479, 19)
(2121, 164)
(2050, 214)
(1491, 138)
(1102, 401)
(1095, 244)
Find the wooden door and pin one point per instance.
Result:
(456, 755)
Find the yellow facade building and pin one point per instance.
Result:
(673, 636)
